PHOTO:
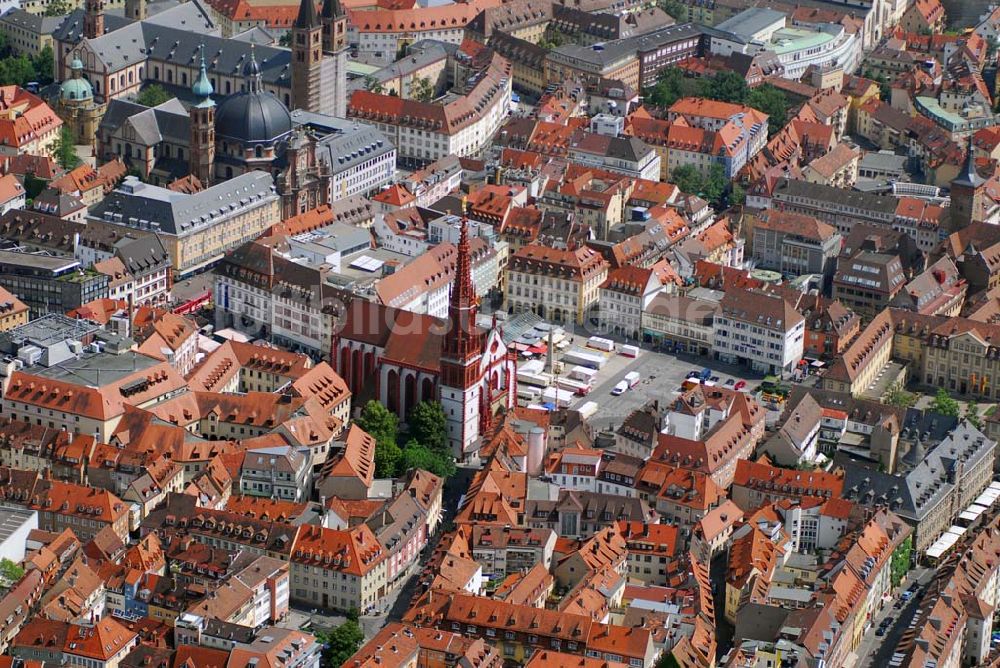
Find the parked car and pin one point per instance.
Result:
(740, 385)
(730, 381)
(880, 631)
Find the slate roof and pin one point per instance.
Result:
(915, 494)
(631, 149)
(180, 213)
(71, 29)
(348, 143)
(175, 37)
(790, 189)
(33, 23)
(143, 255)
(166, 122)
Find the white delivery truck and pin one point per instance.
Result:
(588, 410)
(632, 378)
(630, 351)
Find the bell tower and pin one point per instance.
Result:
(334, 20)
(135, 10)
(461, 357)
(202, 149)
(307, 57)
(334, 26)
(967, 193)
(93, 19)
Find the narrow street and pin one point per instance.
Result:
(875, 651)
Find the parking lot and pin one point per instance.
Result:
(661, 376)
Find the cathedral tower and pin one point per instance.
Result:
(334, 26)
(202, 149)
(135, 10)
(334, 19)
(93, 19)
(307, 58)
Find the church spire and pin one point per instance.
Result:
(463, 294)
(255, 78)
(202, 87)
(464, 340)
(969, 177)
(307, 18)
(332, 9)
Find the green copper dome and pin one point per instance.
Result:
(202, 86)
(76, 88)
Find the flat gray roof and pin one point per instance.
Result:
(96, 369)
(53, 264)
(48, 330)
(12, 519)
(749, 22)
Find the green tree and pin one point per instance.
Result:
(899, 397)
(429, 426)
(884, 91)
(674, 8)
(899, 564)
(286, 39)
(58, 8)
(64, 149)
(771, 101)
(343, 642)
(417, 456)
(153, 95)
(688, 179)
(668, 661)
(552, 39)
(714, 185)
(10, 572)
(943, 404)
(973, 416)
(373, 85)
(16, 70)
(422, 90)
(383, 426)
(33, 186)
(44, 65)
(738, 196)
(671, 85)
(726, 86)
